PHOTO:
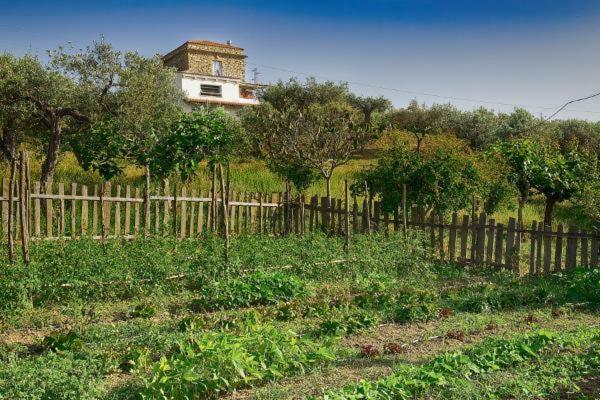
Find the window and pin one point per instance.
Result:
(217, 68)
(210, 90)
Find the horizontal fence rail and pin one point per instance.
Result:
(67, 211)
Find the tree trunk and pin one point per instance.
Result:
(11, 192)
(225, 213)
(147, 203)
(51, 159)
(550, 202)
(419, 142)
(520, 212)
(328, 180)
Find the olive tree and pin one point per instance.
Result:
(301, 128)
(420, 120)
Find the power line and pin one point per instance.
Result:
(571, 102)
(471, 100)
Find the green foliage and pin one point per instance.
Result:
(143, 310)
(442, 178)
(416, 306)
(100, 149)
(205, 133)
(421, 120)
(443, 370)
(560, 176)
(254, 289)
(346, 324)
(301, 176)
(51, 376)
(212, 363)
(62, 341)
(313, 126)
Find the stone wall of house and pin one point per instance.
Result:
(198, 58)
(179, 60)
(201, 56)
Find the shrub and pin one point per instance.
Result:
(416, 306)
(346, 325)
(259, 288)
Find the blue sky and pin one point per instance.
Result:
(502, 53)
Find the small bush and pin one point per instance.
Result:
(416, 306)
(62, 341)
(346, 325)
(259, 288)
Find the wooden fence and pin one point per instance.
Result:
(66, 211)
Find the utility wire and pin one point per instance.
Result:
(471, 100)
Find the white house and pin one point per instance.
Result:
(212, 73)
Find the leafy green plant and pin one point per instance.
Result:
(346, 324)
(62, 341)
(143, 310)
(254, 289)
(443, 370)
(415, 306)
(213, 363)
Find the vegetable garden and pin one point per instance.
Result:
(289, 317)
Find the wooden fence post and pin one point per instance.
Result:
(354, 215)
(118, 211)
(532, 248)
(376, 216)
(49, 210)
(510, 242)
(584, 249)
(572, 248)
(539, 242)
(595, 249)
(183, 232)
(489, 251)
(558, 248)
(225, 213)
(432, 230)
(127, 227)
(85, 210)
(452, 237)
(480, 240)
(547, 248)
(73, 210)
(147, 204)
(37, 210)
(95, 212)
(61, 210)
(346, 217)
(24, 204)
(11, 194)
(464, 236)
(498, 246)
(325, 214)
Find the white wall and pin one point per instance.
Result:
(230, 89)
